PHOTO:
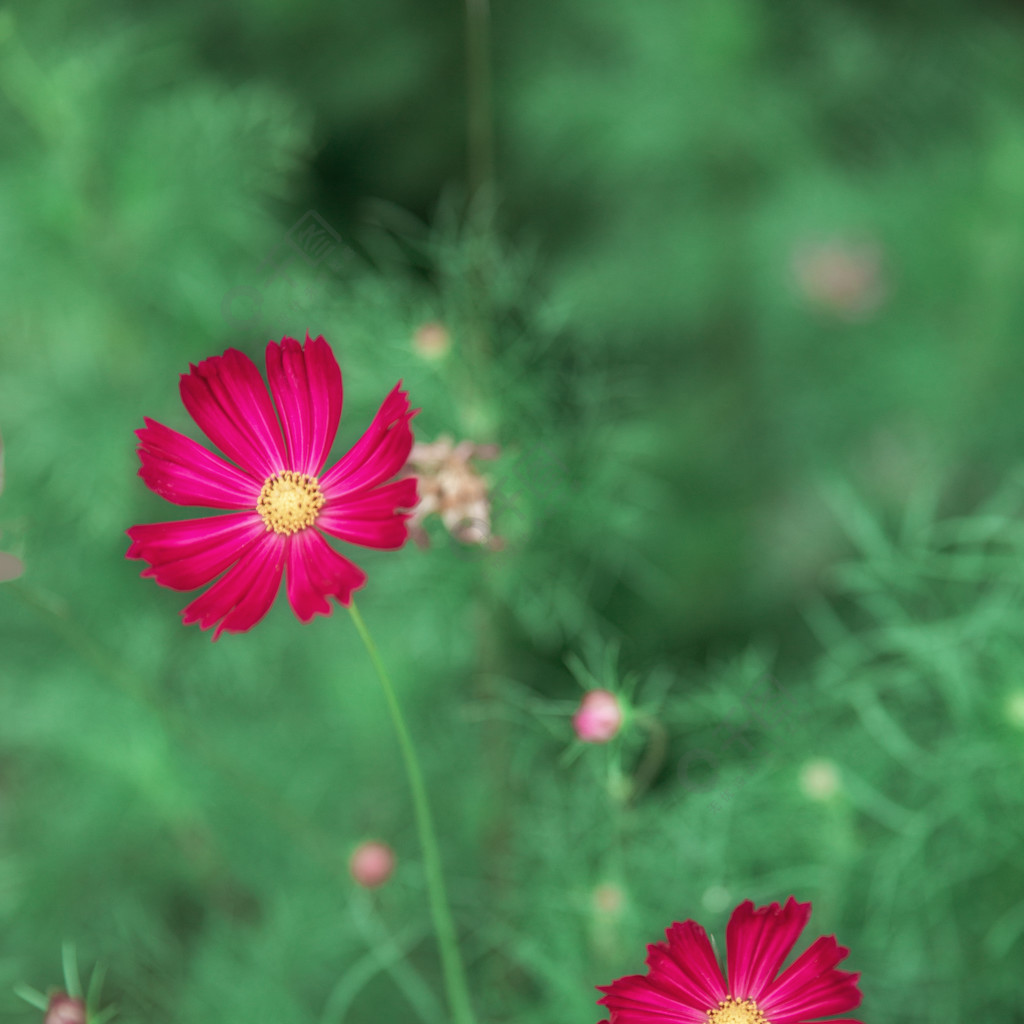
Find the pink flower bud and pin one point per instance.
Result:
(371, 864)
(599, 717)
(65, 1010)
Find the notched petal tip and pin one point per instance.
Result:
(378, 455)
(286, 344)
(184, 472)
(758, 940)
(190, 553)
(811, 987)
(316, 572)
(306, 384)
(227, 397)
(375, 519)
(244, 594)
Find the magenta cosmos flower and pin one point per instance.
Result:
(283, 502)
(684, 984)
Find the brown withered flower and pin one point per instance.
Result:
(451, 487)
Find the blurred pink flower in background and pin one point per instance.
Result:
(684, 983)
(282, 502)
(843, 277)
(65, 1010)
(371, 864)
(608, 899)
(599, 717)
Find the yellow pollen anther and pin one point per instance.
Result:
(737, 1011)
(289, 502)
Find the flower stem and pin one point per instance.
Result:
(451, 959)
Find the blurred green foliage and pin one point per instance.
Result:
(745, 320)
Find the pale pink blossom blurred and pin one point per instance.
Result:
(65, 1010)
(842, 277)
(371, 864)
(599, 717)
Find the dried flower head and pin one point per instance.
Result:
(451, 487)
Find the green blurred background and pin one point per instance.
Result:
(741, 305)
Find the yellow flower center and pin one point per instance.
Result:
(289, 502)
(736, 1011)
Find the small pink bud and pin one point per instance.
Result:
(371, 864)
(65, 1010)
(598, 718)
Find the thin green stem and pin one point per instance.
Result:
(653, 756)
(320, 846)
(451, 960)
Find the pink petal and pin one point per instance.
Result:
(315, 572)
(306, 384)
(758, 941)
(184, 472)
(188, 554)
(683, 982)
(635, 1000)
(372, 519)
(689, 963)
(240, 598)
(811, 987)
(226, 396)
(379, 454)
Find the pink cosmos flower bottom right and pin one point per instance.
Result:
(684, 983)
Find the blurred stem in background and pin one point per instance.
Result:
(476, 316)
(479, 125)
(451, 959)
(480, 189)
(652, 759)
